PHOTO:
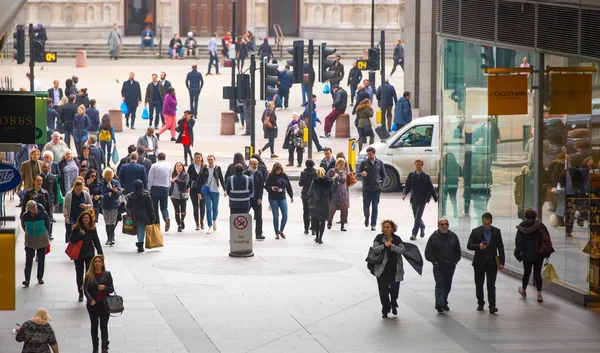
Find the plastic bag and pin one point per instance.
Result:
(145, 114)
(115, 155)
(326, 88)
(394, 127)
(124, 108)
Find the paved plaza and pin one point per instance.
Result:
(293, 295)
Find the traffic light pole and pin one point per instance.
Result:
(371, 72)
(311, 108)
(232, 102)
(31, 62)
(382, 70)
(253, 102)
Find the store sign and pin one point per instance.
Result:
(507, 95)
(571, 94)
(10, 177)
(17, 118)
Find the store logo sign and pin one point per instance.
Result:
(571, 94)
(507, 95)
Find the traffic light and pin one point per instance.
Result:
(269, 75)
(297, 61)
(19, 45)
(487, 56)
(373, 62)
(39, 51)
(243, 86)
(325, 63)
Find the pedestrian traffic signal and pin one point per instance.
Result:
(297, 60)
(325, 63)
(39, 51)
(269, 76)
(19, 45)
(373, 61)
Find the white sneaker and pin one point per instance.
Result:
(210, 230)
(214, 225)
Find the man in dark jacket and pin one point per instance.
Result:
(419, 184)
(354, 77)
(155, 94)
(361, 94)
(372, 173)
(239, 188)
(398, 56)
(403, 111)
(306, 178)
(284, 83)
(131, 172)
(142, 160)
(55, 93)
(50, 184)
(328, 162)
(256, 193)
(96, 152)
(125, 160)
(338, 72)
(386, 102)
(265, 50)
(443, 251)
(194, 83)
(489, 257)
(51, 116)
(132, 96)
(340, 102)
(65, 118)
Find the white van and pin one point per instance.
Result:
(418, 139)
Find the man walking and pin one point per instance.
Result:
(194, 83)
(443, 251)
(398, 56)
(372, 173)
(132, 96)
(315, 120)
(131, 172)
(159, 182)
(212, 53)
(421, 188)
(155, 93)
(65, 119)
(354, 77)
(284, 83)
(150, 142)
(257, 180)
(338, 72)
(340, 101)
(386, 102)
(328, 162)
(56, 146)
(487, 243)
(403, 111)
(55, 93)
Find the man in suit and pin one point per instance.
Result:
(166, 84)
(55, 93)
(125, 160)
(487, 243)
(132, 96)
(155, 95)
(96, 151)
(131, 172)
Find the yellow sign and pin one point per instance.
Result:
(507, 95)
(571, 94)
(352, 152)
(7, 270)
(51, 57)
(362, 64)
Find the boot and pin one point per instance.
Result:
(140, 247)
(343, 228)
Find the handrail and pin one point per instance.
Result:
(279, 38)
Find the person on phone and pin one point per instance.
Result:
(443, 251)
(487, 243)
(97, 286)
(277, 184)
(76, 202)
(209, 181)
(37, 334)
(85, 231)
(178, 191)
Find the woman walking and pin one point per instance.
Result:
(76, 202)
(269, 120)
(306, 179)
(179, 193)
(111, 193)
(194, 171)
(294, 139)
(97, 286)
(36, 239)
(238, 158)
(95, 191)
(69, 170)
(106, 136)
(114, 42)
(185, 127)
(37, 333)
(390, 272)
(139, 206)
(37, 194)
(364, 112)
(85, 231)
(528, 237)
(81, 125)
(86, 160)
(209, 181)
(169, 112)
(338, 176)
(276, 184)
(320, 195)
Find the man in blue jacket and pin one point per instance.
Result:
(284, 83)
(194, 83)
(386, 102)
(403, 112)
(131, 172)
(315, 137)
(238, 187)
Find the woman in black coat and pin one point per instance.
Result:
(319, 198)
(85, 231)
(139, 206)
(306, 178)
(86, 160)
(527, 251)
(95, 191)
(238, 158)
(269, 122)
(98, 286)
(185, 128)
(198, 204)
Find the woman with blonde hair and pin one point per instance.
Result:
(37, 334)
(85, 231)
(98, 285)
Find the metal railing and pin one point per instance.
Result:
(279, 39)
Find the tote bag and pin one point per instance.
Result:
(115, 155)
(73, 250)
(154, 237)
(128, 226)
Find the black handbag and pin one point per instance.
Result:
(382, 132)
(374, 258)
(114, 304)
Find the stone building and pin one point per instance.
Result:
(316, 19)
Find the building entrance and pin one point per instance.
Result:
(138, 14)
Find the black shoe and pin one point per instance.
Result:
(366, 222)
(182, 225)
(51, 237)
(316, 240)
(343, 229)
(173, 139)
(439, 308)
(446, 307)
(126, 124)
(260, 237)
(157, 136)
(313, 232)
(107, 242)
(413, 237)
(493, 310)
(179, 229)
(384, 316)
(373, 228)
(306, 231)
(394, 310)
(25, 284)
(479, 307)
(299, 165)
(320, 241)
(422, 232)
(80, 297)
(329, 225)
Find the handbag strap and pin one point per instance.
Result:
(30, 338)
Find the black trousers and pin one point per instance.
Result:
(80, 271)
(490, 271)
(306, 213)
(198, 205)
(371, 199)
(131, 113)
(537, 274)
(180, 207)
(110, 232)
(319, 227)
(258, 220)
(155, 110)
(285, 97)
(30, 253)
(388, 291)
(187, 151)
(352, 92)
(299, 153)
(99, 313)
(315, 139)
(270, 144)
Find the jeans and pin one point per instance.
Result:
(277, 205)
(79, 142)
(213, 60)
(68, 133)
(30, 253)
(176, 52)
(299, 152)
(107, 150)
(285, 97)
(371, 197)
(418, 213)
(180, 207)
(330, 119)
(352, 93)
(443, 273)
(198, 205)
(211, 200)
(155, 109)
(491, 272)
(270, 144)
(160, 194)
(141, 232)
(147, 43)
(537, 274)
(100, 313)
(194, 94)
(131, 113)
(304, 93)
(80, 272)
(258, 221)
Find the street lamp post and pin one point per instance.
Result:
(232, 102)
(371, 72)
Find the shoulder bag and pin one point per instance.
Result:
(114, 304)
(267, 119)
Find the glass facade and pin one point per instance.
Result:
(487, 162)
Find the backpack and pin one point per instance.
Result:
(544, 243)
(104, 135)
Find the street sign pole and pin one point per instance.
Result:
(253, 102)
(31, 63)
(382, 71)
(311, 82)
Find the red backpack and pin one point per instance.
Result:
(544, 243)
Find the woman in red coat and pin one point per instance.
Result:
(185, 128)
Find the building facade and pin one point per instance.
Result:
(316, 19)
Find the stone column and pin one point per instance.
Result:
(56, 10)
(33, 14)
(428, 60)
(80, 15)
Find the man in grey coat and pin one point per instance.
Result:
(150, 142)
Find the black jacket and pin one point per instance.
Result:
(526, 241)
(340, 99)
(360, 96)
(282, 183)
(259, 183)
(375, 174)
(90, 241)
(90, 162)
(85, 100)
(194, 80)
(354, 77)
(193, 177)
(67, 112)
(41, 197)
(422, 188)
(49, 184)
(398, 53)
(338, 73)
(132, 92)
(306, 178)
(326, 165)
(145, 162)
(51, 93)
(488, 255)
(149, 98)
(444, 248)
(90, 288)
(320, 194)
(189, 130)
(139, 206)
(203, 177)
